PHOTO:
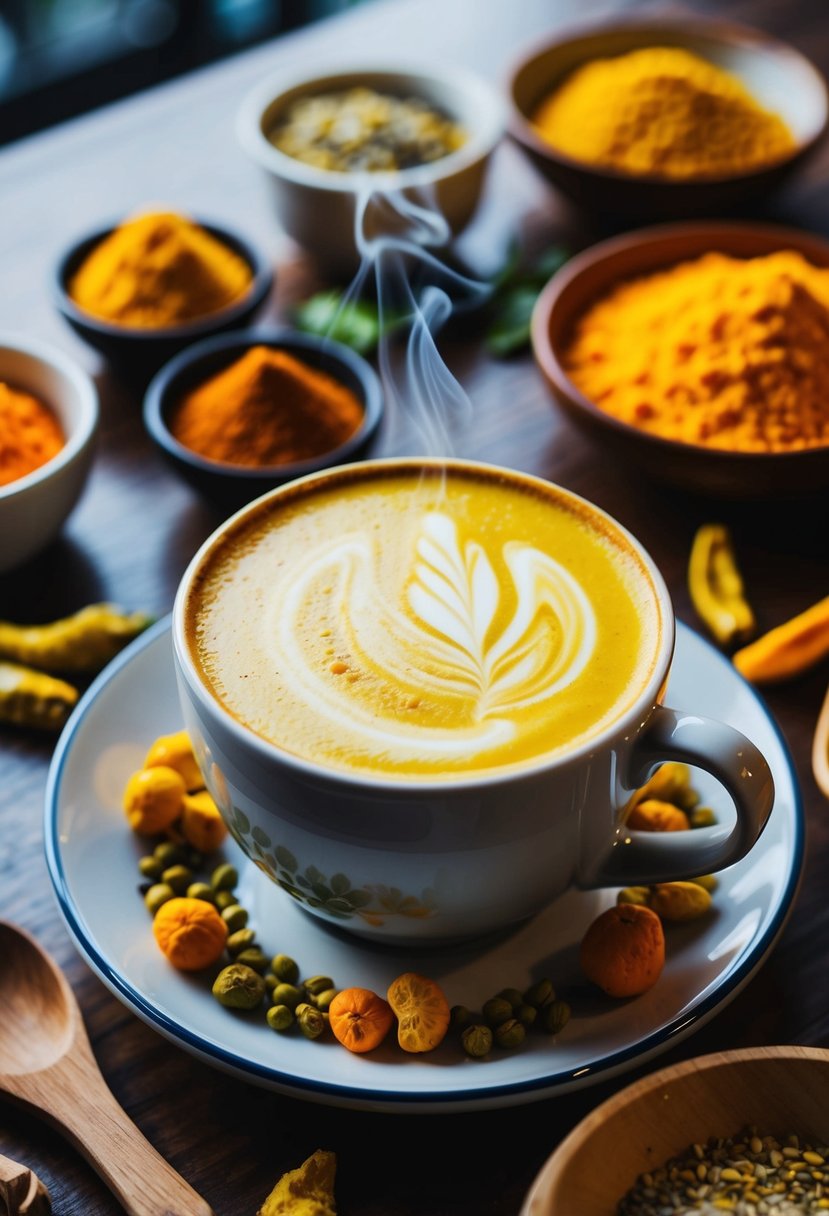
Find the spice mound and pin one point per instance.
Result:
(267, 408)
(661, 111)
(748, 1175)
(30, 434)
(718, 351)
(159, 269)
(361, 130)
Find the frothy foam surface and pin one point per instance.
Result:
(421, 626)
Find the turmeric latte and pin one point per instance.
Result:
(718, 351)
(415, 623)
(159, 269)
(661, 111)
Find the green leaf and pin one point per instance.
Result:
(354, 323)
(547, 263)
(509, 327)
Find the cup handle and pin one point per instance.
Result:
(641, 858)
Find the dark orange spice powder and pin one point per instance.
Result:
(267, 408)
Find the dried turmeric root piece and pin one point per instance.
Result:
(716, 586)
(83, 642)
(307, 1191)
(789, 649)
(33, 699)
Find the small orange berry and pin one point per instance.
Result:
(190, 932)
(153, 798)
(623, 950)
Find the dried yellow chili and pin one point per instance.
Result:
(716, 586)
(788, 649)
(83, 642)
(33, 699)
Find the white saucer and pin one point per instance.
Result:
(92, 856)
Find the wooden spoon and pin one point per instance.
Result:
(820, 748)
(46, 1064)
(21, 1191)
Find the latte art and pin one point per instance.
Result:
(422, 628)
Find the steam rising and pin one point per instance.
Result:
(398, 238)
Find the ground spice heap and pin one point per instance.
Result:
(661, 111)
(267, 408)
(159, 269)
(747, 1175)
(30, 434)
(718, 351)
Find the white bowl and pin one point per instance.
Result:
(318, 208)
(33, 508)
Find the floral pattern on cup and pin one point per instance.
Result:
(336, 895)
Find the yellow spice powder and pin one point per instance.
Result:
(159, 269)
(718, 351)
(661, 111)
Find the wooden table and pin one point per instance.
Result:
(137, 525)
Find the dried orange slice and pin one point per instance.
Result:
(421, 1009)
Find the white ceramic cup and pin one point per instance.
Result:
(422, 861)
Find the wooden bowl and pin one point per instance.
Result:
(700, 470)
(780, 1090)
(777, 75)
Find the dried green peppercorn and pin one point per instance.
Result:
(540, 994)
(157, 895)
(496, 1010)
(252, 956)
(239, 987)
(287, 994)
(151, 868)
(311, 1021)
(509, 1034)
(178, 877)
(280, 1017)
(200, 890)
(477, 1040)
(241, 940)
(224, 878)
(235, 917)
(317, 983)
(285, 969)
(555, 1016)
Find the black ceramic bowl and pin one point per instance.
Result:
(231, 486)
(142, 351)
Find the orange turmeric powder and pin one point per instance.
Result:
(718, 351)
(30, 434)
(267, 408)
(661, 111)
(156, 270)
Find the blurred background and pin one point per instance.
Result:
(59, 58)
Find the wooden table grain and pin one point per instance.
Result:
(137, 525)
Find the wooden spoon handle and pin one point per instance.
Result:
(21, 1191)
(74, 1097)
(144, 1183)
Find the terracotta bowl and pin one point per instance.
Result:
(779, 1090)
(700, 470)
(776, 74)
